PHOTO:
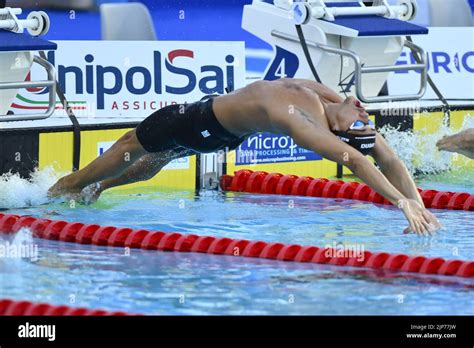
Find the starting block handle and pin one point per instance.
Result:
(422, 66)
(9, 24)
(359, 69)
(50, 83)
(5, 11)
(302, 12)
(331, 12)
(37, 23)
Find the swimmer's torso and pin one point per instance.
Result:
(219, 122)
(247, 110)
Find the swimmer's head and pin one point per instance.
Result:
(350, 122)
(364, 143)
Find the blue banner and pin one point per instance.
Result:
(270, 148)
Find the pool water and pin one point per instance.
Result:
(171, 283)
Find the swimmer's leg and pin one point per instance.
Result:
(143, 169)
(111, 164)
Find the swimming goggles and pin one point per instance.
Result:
(358, 125)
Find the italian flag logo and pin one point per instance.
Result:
(35, 100)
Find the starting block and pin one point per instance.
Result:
(17, 57)
(353, 47)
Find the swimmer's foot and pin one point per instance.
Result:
(91, 193)
(64, 188)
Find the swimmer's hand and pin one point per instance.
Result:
(422, 221)
(462, 142)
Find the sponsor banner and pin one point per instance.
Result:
(107, 79)
(270, 148)
(451, 64)
(103, 146)
(177, 164)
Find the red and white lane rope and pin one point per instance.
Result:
(26, 308)
(276, 183)
(76, 232)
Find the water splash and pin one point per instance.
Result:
(21, 247)
(17, 192)
(418, 149)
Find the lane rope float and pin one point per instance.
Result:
(76, 232)
(10, 307)
(275, 183)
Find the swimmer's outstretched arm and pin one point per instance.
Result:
(310, 136)
(395, 170)
(462, 142)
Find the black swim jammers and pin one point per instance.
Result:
(192, 127)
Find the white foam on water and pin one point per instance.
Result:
(17, 192)
(23, 236)
(418, 149)
(24, 239)
(15, 251)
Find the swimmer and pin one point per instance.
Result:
(316, 117)
(462, 142)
